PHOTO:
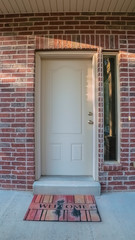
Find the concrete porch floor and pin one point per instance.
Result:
(117, 211)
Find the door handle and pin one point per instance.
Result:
(90, 113)
(90, 122)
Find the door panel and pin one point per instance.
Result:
(66, 89)
(66, 99)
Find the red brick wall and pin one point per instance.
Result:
(20, 36)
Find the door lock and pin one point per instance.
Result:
(90, 113)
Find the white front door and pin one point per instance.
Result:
(66, 100)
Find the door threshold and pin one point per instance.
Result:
(69, 185)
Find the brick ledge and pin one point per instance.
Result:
(112, 167)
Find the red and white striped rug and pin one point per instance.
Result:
(63, 208)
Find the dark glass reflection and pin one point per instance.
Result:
(109, 66)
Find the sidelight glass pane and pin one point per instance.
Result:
(109, 67)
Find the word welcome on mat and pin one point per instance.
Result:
(63, 208)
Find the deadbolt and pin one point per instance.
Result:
(90, 113)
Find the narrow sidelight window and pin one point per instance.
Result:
(110, 108)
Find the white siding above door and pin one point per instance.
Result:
(37, 6)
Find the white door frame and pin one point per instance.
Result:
(64, 54)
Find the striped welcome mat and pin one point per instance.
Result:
(63, 208)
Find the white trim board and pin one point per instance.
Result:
(54, 55)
